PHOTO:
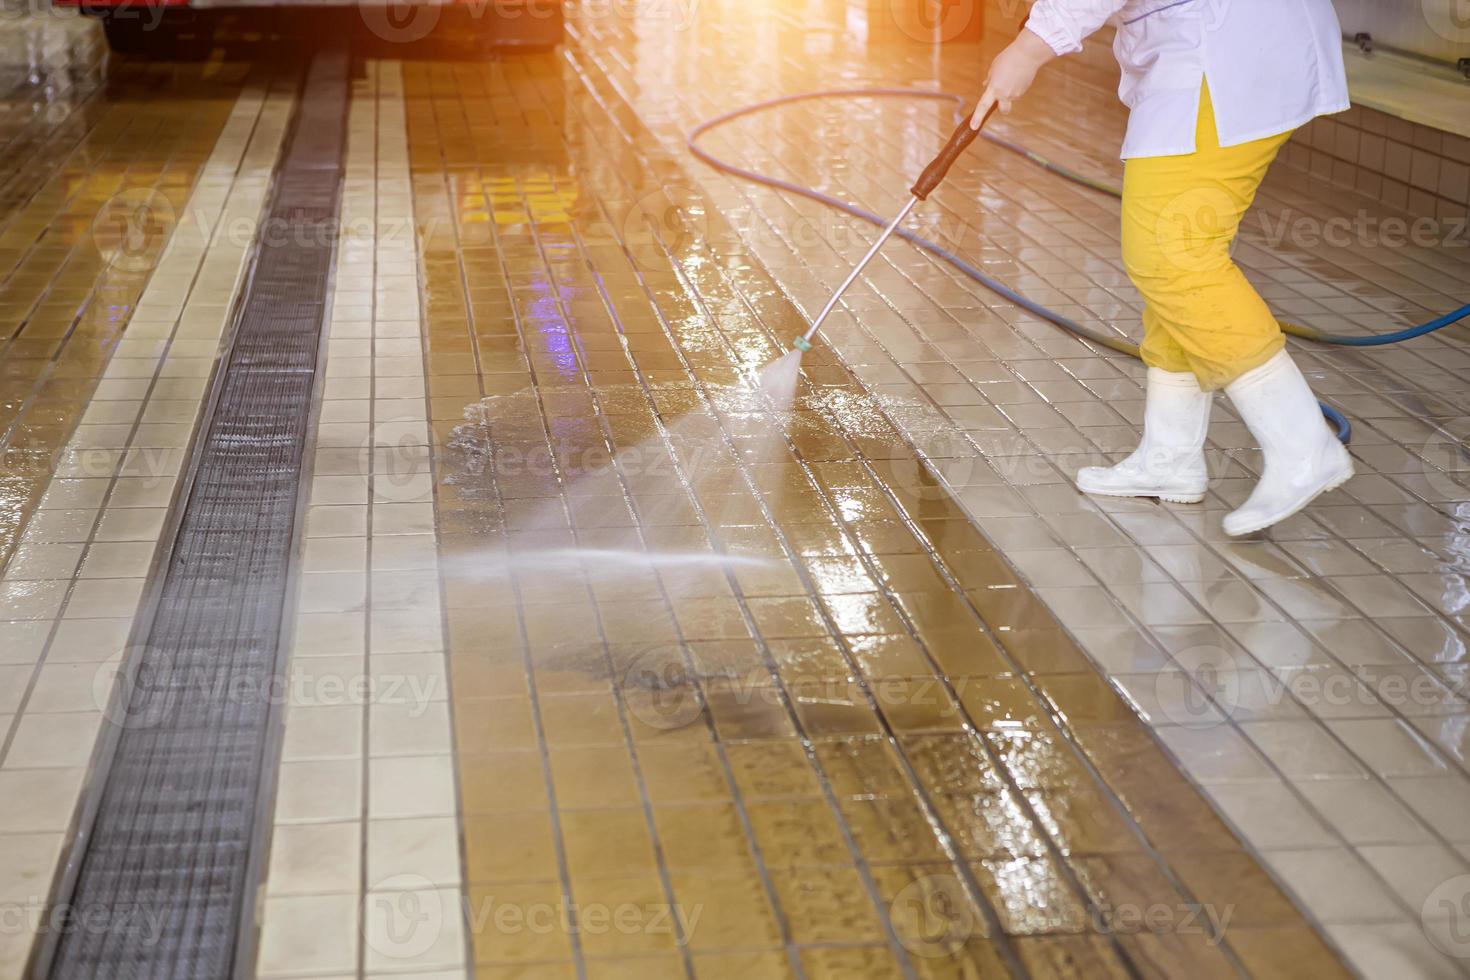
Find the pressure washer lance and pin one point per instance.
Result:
(932, 177)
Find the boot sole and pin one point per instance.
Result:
(1170, 498)
(1332, 483)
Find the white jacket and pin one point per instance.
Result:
(1271, 65)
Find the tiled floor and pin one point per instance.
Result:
(366, 834)
(1308, 681)
(116, 322)
(737, 689)
(606, 665)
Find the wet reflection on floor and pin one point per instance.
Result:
(749, 672)
(98, 162)
(1278, 671)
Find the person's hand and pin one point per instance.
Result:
(1011, 74)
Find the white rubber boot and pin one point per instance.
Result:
(1170, 461)
(1303, 459)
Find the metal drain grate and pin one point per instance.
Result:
(159, 876)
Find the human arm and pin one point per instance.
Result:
(1055, 28)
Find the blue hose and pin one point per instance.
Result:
(1381, 339)
(1338, 420)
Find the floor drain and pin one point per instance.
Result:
(157, 881)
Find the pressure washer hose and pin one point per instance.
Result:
(1344, 428)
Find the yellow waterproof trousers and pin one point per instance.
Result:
(1180, 218)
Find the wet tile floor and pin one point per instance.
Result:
(74, 165)
(1304, 680)
(366, 830)
(755, 681)
(855, 687)
(106, 343)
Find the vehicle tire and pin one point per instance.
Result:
(176, 33)
(537, 25)
(126, 34)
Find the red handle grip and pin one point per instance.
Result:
(938, 168)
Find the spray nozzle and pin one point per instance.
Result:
(802, 344)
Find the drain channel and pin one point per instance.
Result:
(168, 845)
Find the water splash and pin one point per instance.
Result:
(778, 380)
(597, 563)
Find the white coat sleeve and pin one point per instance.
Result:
(1064, 24)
